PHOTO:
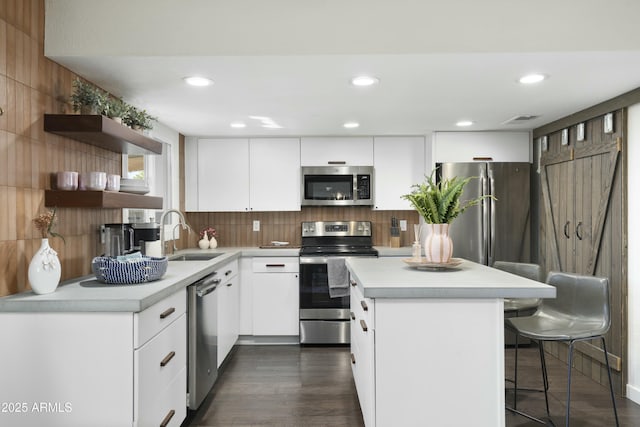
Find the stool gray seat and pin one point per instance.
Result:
(579, 312)
(530, 271)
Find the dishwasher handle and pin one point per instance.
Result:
(206, 286)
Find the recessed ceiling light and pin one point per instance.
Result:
(198, 81)
(238, 125)
(351, 125)
(364, 81)
(532, 78)
(464, 123)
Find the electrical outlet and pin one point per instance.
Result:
(256, 225)
(403, 225)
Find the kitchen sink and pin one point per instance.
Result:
(193, 257)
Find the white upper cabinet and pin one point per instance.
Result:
(326, 151)
(223, 174)
(399, 162)
(275, 174)
(238, 174)
(482, 146)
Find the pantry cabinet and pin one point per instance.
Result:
(583, 223)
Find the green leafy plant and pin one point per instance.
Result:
(116, 107)
(87, 97)
(439, 203)
(138, 119)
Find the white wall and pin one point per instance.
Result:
(633, 159)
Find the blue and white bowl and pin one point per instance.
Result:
(139, 270)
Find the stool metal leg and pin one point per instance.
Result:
(545, 378)
(613, 398)
(566, 420)
(515, 375)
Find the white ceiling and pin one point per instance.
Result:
(295, 66)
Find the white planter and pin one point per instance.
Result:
(203, 243)
(44, 269)
(438, 246)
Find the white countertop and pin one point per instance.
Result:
(393, 278)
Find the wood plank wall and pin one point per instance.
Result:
(30, 86)
(587, 181)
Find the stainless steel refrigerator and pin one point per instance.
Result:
(495, 230)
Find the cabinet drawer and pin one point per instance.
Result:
(168, 407)
(275, 265)
(149, 322)
(227, 271)
(159, 361)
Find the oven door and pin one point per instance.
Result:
(315, 302)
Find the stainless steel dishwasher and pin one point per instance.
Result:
(202, 339)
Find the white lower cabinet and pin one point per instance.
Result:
(228, 309)
(275, 296)
(95, 368)
(362, 352)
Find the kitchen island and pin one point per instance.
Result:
(428, 346)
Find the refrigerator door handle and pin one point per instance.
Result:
(492, 214)
(485, 220)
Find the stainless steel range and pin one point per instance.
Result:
(323, 319)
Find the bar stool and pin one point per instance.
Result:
(580, 312)
(516, 306)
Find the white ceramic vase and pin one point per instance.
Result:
(438, 247)
(213, 243)
(203, 243)
(44, 269)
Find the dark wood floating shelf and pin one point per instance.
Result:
(102, 132)
(100, 199)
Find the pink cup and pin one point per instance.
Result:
(67, 180)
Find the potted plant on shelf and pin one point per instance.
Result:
(138, 119)
(439, 204)
(86, 98)
(116, 109)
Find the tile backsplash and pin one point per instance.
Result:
(235, 228)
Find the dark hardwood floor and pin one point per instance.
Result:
(313, 386)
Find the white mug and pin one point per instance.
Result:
(113, 182)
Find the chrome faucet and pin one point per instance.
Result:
(183, 222)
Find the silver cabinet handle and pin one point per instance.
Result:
(167, 359)
(566, 229)
(167, 418)
(353, 283)
(228, 272)
(352, 314)
(579, 230)
(230, 284)
(273, 265)
(353, 358)
(336, 162)
(168, 312)
(364, 305)
(363, 325)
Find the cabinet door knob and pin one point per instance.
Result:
(364, 305)
(363, 325)
(353, 316)
(353, 283)
(168, 312)
(353, 359)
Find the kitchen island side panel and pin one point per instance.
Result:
(439, 362)
(66, 369)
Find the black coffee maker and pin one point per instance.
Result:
(120, 239)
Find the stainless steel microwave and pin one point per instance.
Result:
(337, 186)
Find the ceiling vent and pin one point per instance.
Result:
(519, 119)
